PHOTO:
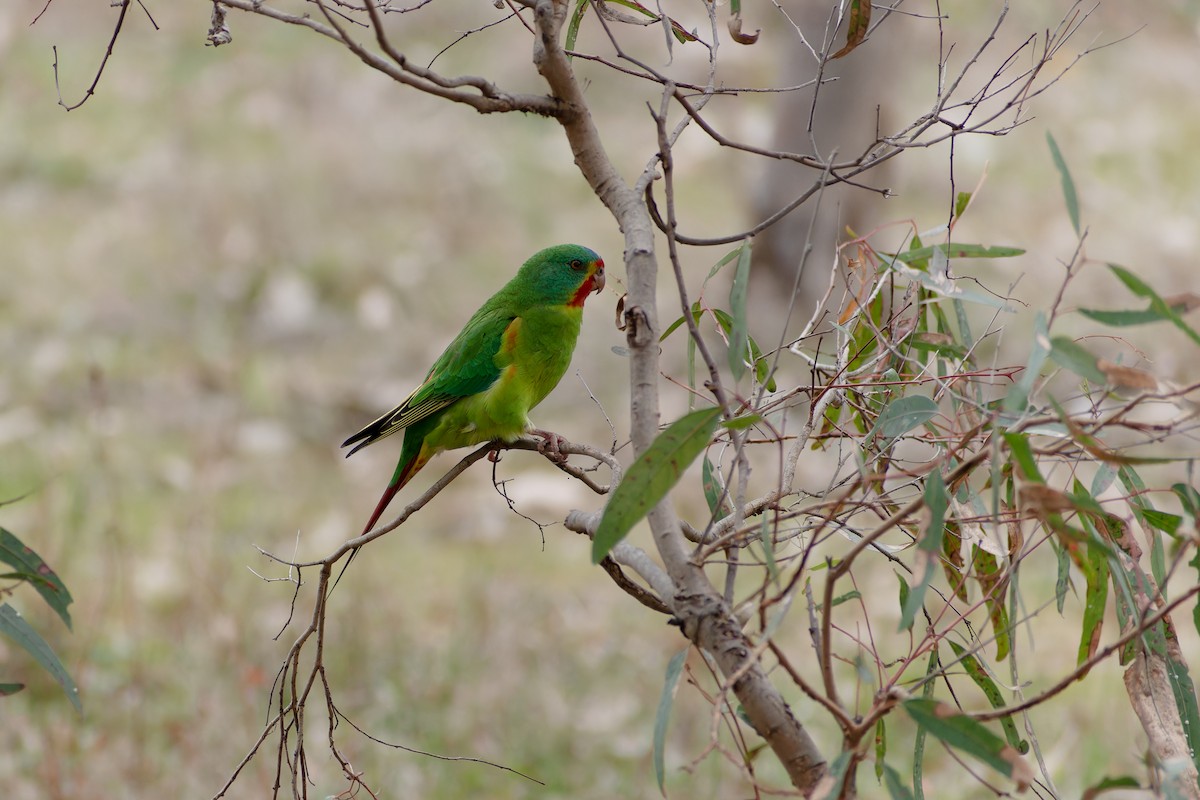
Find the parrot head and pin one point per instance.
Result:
(562, 275)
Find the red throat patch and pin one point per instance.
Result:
(586, 288)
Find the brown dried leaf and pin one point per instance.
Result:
(1183, 302)
(735, 30)
(1022, 773)
(1042, 499)
(620, 321)
(1127, 377)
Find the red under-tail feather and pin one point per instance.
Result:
(410, 469)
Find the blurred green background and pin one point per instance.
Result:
(229, 259)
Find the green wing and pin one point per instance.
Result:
(467, 367)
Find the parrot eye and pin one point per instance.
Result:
(577, 265)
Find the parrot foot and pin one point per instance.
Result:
(551, 445)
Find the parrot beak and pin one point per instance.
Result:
(598, 277)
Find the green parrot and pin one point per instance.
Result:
(504, 362)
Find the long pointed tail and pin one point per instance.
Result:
(404, 473)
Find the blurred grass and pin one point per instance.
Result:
(229, 259)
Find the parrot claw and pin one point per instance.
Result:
(551, 445)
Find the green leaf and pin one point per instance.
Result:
(1185, 701)
(652, 475)
(853, 594)
(896, 789)
(936, 501)
(1124, 319)
(43, 579)
(1072, 355)
(992, 581)
(960, 203)
(670, 684)
(17, 629)
(742, 422)
(904, 414)
(859, 20)
(1018, 396)
(9, 689)
(1157, 304)
(990, 690)
(1103, 479)
(737, 307)
(931, 669)
(1121, 782)
(678, 30)
(1189, 498)
(1063, 577)
(1162, 521)
(963, 733)
(1068, 185)
(904, 594)
(836, 775)
(1095, 601)
(956, 250)
(581, 7)
(880, 747)
(714, 495)
(762, 367)
(764, 535)
(1022, 453)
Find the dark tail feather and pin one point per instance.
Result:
(393, 488)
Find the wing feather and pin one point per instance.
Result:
(468, 366)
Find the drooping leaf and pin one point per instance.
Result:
(931, 669)
(16, 628)
(652, 475)
(1095, 601)
(581, 7)
(993, 584)
(680, 33)
(963, 733)
(737, 307)
(1147, 516)
(896, 789)
(1103, 478)
(1163, 645)
(1068, 184)
(32, 568)
(762, 367)
(734, 23)
(990, 690)
(768, 545)
(880, 747)
(1017, 398)
(858, 21)
(663, 715)
(1022, 453)
(714, 493)
(1062, 580)
(937, 500)
(1189, 498)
